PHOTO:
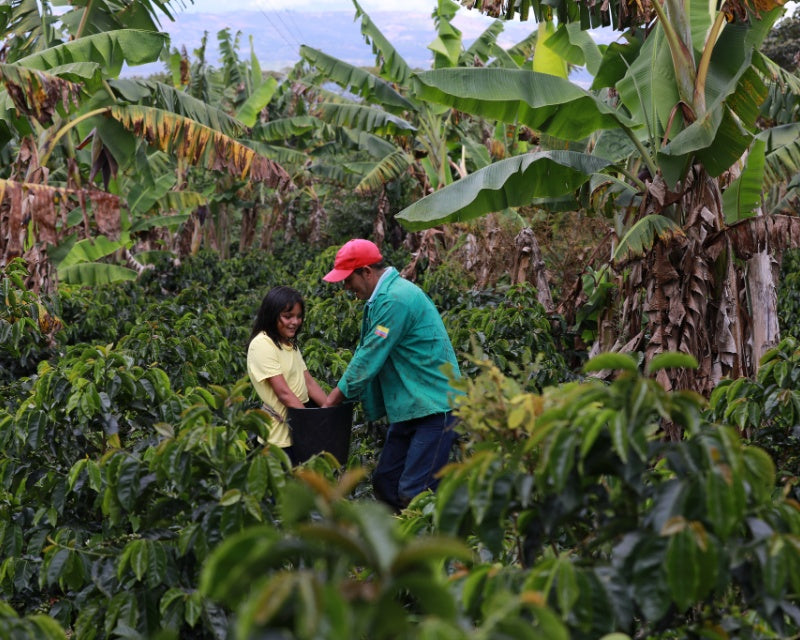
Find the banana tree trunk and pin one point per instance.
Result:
(530, 267)
(248, 232)
(271, 220)
(763, 305)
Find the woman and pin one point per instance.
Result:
(275, 365)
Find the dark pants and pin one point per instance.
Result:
(414, 452)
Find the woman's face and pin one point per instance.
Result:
(289, 322)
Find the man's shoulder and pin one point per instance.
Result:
(398, 286)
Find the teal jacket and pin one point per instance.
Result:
(396, 368)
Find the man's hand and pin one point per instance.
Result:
(335, 397)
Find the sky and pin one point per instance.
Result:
(278, 30)
(329, 25)
(225, 6)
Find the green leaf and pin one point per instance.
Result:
(683, 569)
(95, 273)
(423, 551)
(229, 570)
(74, 472)
(391, 63)
(142, 197)
(260, 98)
(671, 360)
(281, 129)
(649, 88)
(110, 49)
(612, 361)
(512, 182)
(127, 488)
(566, 585)
(364, 118)
(641, 237)
(230, 497)
(356, 80)
(723, 506)
(549, 60)
(55, 566)
(89, 250)
(540, 101)
(257, 477)
(760, 471)
(139, 558)
(47, 628)
(744, 195)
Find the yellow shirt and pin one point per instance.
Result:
(265, 359)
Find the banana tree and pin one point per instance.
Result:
(674, 153)
(399, 132)
(74, 126)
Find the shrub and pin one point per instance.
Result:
(508, 327)
(29, 325)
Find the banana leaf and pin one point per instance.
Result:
(508, 183)
(540, 101)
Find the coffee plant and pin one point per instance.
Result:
(137, 501)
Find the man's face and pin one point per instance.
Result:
(358, 284)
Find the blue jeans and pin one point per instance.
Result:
(414, 452)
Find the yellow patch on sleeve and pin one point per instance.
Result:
(381, 331)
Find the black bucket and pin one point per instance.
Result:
(321, 429)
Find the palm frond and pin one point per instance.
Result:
(283, 155)
(231, 64)
(163, 96)
(388, 169)
(523, 50)
(110, 50)
(355, 79)
(641, 237)
(484, 46)
(391, 63)
(341, 174)
(38, 94)
(502, 59)
(364, 118)
(783, 154)
(198, 144)
(285, 128)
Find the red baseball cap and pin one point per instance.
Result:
(353, 255)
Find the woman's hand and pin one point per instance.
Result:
(315, 392)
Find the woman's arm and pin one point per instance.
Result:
(284, 393)
(315, 392)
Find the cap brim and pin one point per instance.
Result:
(337, 275)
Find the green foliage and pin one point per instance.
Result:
(512, 329)
(579, 497)
(789, 294)
(767, 409)
(136, 500)
(782, 44)
(115, 488)
(341, 570)
(28, 324)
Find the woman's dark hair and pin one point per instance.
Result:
(277, 300)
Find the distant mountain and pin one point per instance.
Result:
(277, 35)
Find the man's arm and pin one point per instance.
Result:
(335, 397)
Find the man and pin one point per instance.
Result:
(396, 371)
